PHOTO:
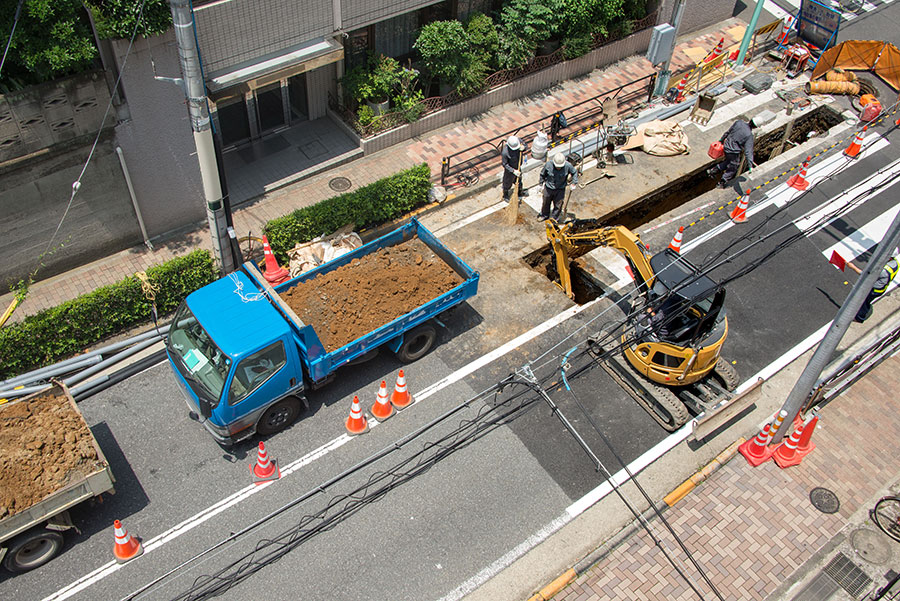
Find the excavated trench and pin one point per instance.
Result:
(679, 192)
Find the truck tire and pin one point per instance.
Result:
(416, 343)
(279, 416)
(727, 374)
(32, 550)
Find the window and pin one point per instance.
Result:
(254, 370)
(200, 361)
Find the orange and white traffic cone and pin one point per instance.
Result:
(786, 453)
(127, 547)
(806, 445)
(274, 274)
(357, 422)
(382, 409)
(739, 214)
(852, 151)
(785, 30)
(798, 181)
(720, 47)
(675, 244)
(755, 450)
(679, 96)
(265, 467)
(776, 424)
(401, 399)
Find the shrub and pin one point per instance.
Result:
(577, 45)
(69, 328)
(374, 83)
(443, 46)
(484, 39)
(376, 203)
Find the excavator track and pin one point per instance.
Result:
(660, 402)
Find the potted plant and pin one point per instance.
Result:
(526, 24)
(373, 84)
(443, 46)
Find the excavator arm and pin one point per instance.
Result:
(574, 238)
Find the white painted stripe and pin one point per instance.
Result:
(776, 11)
(470, 219)
(864, 238)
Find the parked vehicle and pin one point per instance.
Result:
(244, 365)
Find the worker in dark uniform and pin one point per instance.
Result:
(511, 158)
(554, 177)
(881, 285)
(739, 137)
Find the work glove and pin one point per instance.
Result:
(572, 187)
(516, 172)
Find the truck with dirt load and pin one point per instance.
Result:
(244, 352)
(49, 462)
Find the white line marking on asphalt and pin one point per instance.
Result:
(865, 237)
(246, 492)
(776, 11)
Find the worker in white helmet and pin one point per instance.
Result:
(554, 177)
(511, 157)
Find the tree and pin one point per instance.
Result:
(116, 18)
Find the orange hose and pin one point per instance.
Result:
(832, 87)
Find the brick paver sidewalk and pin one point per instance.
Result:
(430, 148)
(753, 528)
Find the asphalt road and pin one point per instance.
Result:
(433, 515)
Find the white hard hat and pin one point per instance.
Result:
(559, 160)
(513, 143)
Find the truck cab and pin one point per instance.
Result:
(246, 378)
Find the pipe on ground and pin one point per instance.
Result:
(832, 87)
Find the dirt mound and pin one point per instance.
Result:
(44, 445)
(367, 293)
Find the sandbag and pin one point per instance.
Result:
(309, 255)
(663, 139)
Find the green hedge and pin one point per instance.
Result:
(64, 330)
(378, 202)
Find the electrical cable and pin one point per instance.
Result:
(12, 31)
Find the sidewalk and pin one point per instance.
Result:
(755, 530)
(430, 149)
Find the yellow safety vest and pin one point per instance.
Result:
(891, 268)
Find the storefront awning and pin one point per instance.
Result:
(266, 70)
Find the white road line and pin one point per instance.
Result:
(777, 11)
(864, 238)
(289, 468)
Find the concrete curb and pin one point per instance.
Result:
(608, 546)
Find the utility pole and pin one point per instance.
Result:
(195, 91)
(820, 359)
(662, 79)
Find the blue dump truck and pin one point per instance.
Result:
(244, 359)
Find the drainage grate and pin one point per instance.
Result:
(847, 575)
(824, 500)
(820, 588)
(339, 184)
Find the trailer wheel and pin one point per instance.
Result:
(416, 343)
(32, 550)
(727, 373)
(279, 416)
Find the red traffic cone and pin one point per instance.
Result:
(382, 409)
(755, 450)
(785, 30)
(401, 399)
(798, 180)
(739, 214)
(265, 467)
(716, 51)
(852, 151)
(274, 273)
(680, 89)
(127, 547)
(675, 244)
(806, 445)
(357, 422)
(786, 453)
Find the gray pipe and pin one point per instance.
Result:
(83, 375)
(77, 390)
(51, 370)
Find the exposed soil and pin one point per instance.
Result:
(367, 293)
(44, 445)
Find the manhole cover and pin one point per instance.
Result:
(871, 546)
(824, 500)
(339, 184)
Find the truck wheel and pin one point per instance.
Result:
(416, 343)
(727, 373)
(32, 550)
(279, 416)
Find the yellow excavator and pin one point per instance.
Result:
(676, 325)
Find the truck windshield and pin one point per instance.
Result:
(197, 357)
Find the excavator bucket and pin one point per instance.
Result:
(703, 109)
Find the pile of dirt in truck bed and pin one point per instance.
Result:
(368, 292)
(44, 445)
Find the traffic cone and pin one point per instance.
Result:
(401, 399)
(798, 181)
(785, 30)
(382, 409)
(679, 96)
(675, 244)
(127, 547)
(739, 214)
(274, 273)
(806, 445)
(776, 423)
(265, 467)
(357, 422)
(786, 454)
(755, 450)
(852, 151)
(716, 51)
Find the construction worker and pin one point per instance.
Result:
(511, 158)
(739, 137)
(554, 177)
(881, 285)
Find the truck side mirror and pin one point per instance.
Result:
(205, 407)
